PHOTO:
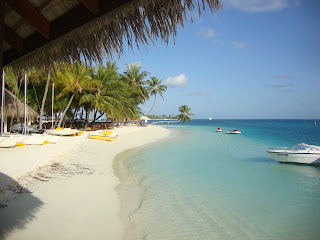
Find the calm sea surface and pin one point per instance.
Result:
(201, 184)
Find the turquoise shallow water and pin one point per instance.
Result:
(207, 185)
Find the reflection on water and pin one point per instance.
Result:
(310, 171)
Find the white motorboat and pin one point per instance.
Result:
(219, 130)
(7, 142)
(63, 132)
(235, 131)
(300, 153)
(210, 118)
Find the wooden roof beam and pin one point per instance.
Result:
(13, 39)
(92, 5)
(31, 15)
(73, 19)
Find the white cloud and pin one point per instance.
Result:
(239, 45)
(207, 32)
(258, 5)
(283, 85)
(180, 80)
(198, 93)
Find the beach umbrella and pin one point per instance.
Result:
(144, 118)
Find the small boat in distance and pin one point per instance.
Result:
(299, 153)
(235, 131)
(219, 130)
(210, 118)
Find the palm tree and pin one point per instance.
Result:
(185, 112)
(11, 80)
(107, 98)
(73, 79)
(135, 77)
(112, 65)
(44, 98)
(128, 103)
(155, 88)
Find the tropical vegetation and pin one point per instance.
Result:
(184, 114)
(81, 91)
(155, 88)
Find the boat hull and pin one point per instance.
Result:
(304, 158)
(63, 132)
(7, 142)
(101, 137)
(52, 139)
(29, 140)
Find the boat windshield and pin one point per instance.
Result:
(301, 147)
(314, 148)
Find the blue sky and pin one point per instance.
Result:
(255, 59)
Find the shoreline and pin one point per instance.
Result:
(72, 194)
(130, 189)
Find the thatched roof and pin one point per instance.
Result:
(39, 32)
(15, 107)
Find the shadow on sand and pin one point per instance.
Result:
(17, 205)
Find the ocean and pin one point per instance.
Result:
(201, 184)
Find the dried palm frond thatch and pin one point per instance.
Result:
(137, 23)
(14, 107)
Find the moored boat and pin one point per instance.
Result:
(63, 132)
(219, 130)
(235, 131)
(19, 128)
(28, 139)
(52, 139)
(299, 153)
(7, 142)
(103, 135)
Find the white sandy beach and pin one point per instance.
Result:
(72, 187)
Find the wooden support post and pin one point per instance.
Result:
(1, 34)
(1, 60)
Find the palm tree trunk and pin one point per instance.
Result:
(74, 114)
(99, 117)
(95, 115)
(65, 110)
(57, 116)
(155, 98)
(87, 118)
(44, 99)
